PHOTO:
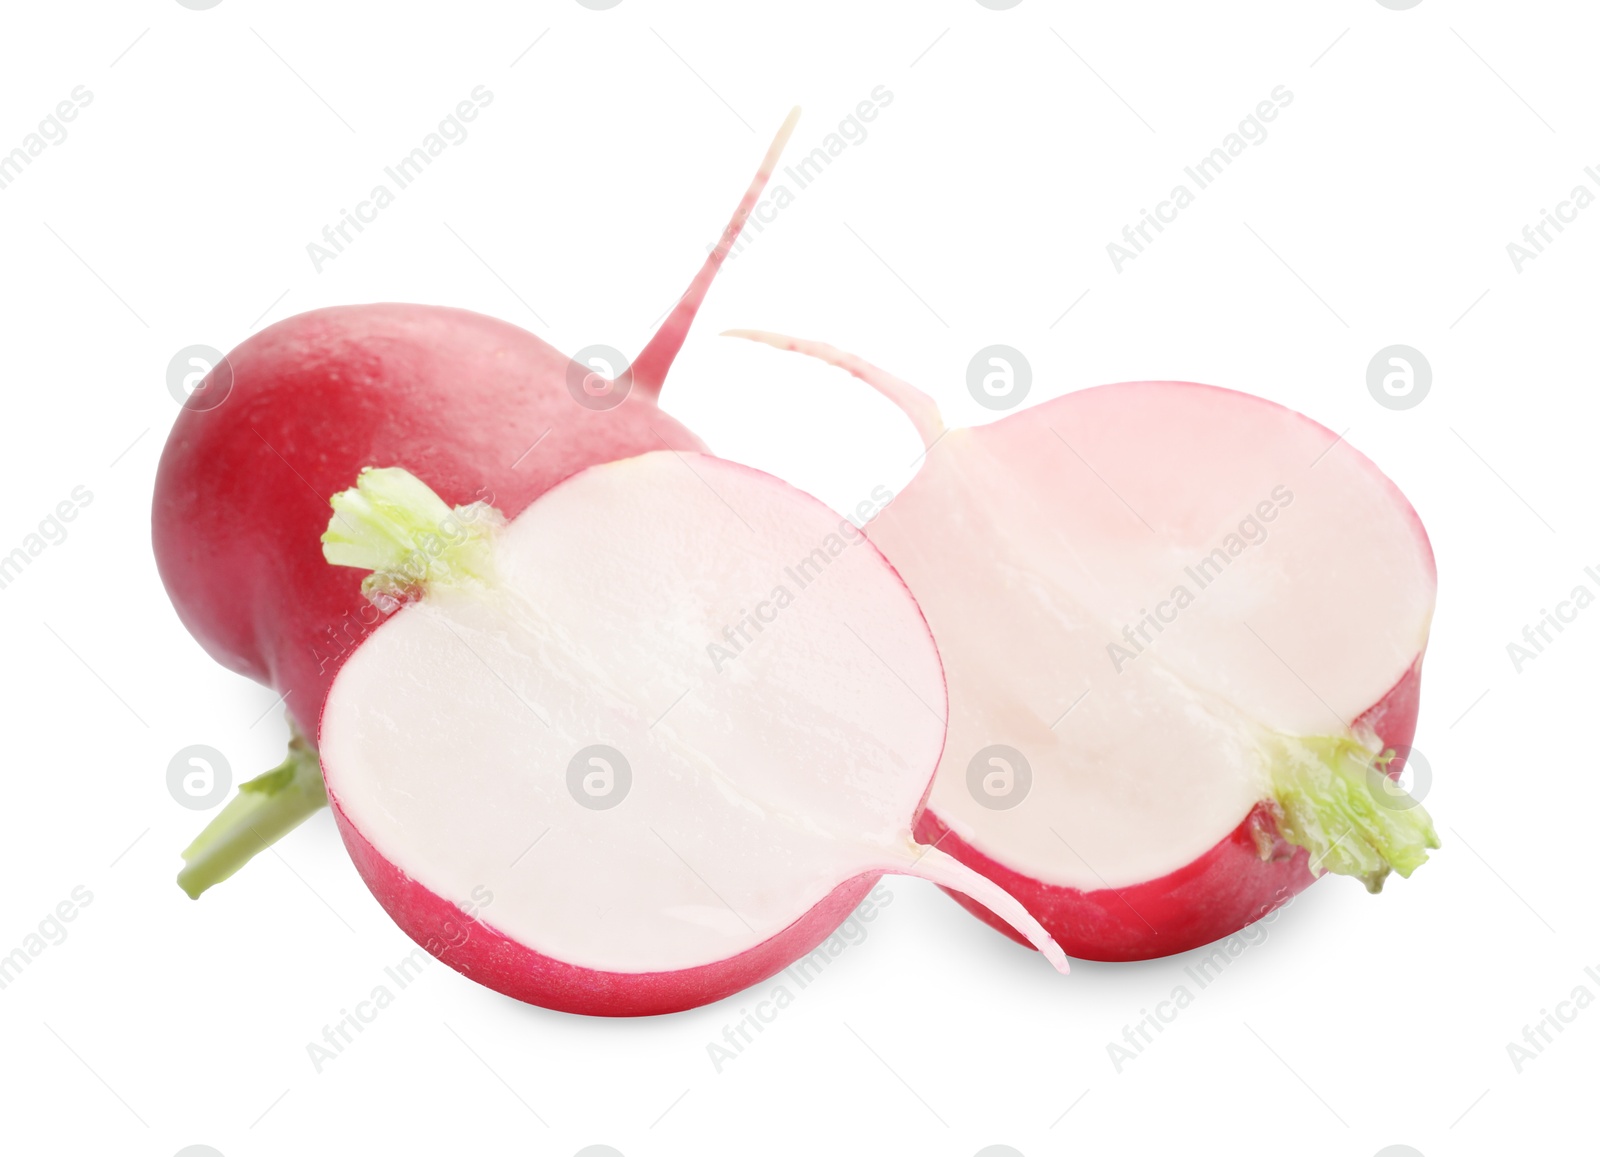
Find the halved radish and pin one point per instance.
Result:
(544, 767)
(1183, 631)
(483, 409)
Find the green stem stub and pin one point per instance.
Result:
(1334, 799)
(393, 525)
(266, 809)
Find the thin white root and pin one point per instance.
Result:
(945, 870)
(916, 405)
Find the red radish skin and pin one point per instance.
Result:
(1212, 897)
(1249, 871)
(473, 947)
(241, 494)
(478, 406)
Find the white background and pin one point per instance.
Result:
(1018, 144)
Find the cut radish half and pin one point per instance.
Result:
(642, 746)
(1182, 629)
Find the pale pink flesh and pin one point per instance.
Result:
(758, 791)
(1032, 542)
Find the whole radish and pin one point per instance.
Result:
(1183, 632)
(484, 410)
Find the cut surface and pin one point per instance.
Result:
(689, 703)
(1173, 578)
